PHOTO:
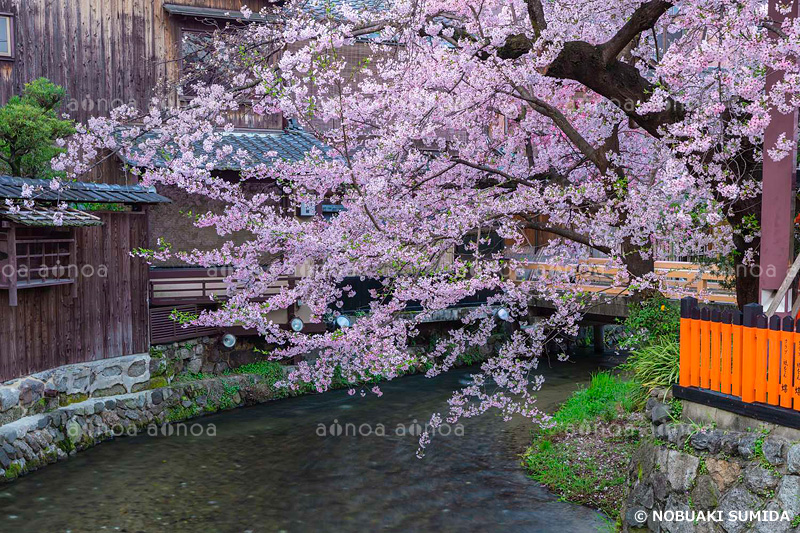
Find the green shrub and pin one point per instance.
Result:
(655, 365)
(272, 370)
(651, 320)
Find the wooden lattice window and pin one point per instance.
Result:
(36, 257)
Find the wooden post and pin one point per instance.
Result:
(685, 373)
(726, 358)
(749, 347)
(777, 197)
(705, 348)
(694, 349)
(714, 366)
(762, 347)
(736, 353)
(12, 260)
(598, 340)
(787, 361)
(772, 374)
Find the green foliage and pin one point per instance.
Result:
(655, 365)
(193, 376)
(29, 126)
(13, 471)
(179, 412)
(605, 397)
(227, 398)
(272, 371)
(103, 207)
(651, 320)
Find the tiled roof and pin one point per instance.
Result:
(46, 216)
(261, 148)
(80, 192)
(321, 8)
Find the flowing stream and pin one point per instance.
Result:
(281, 467)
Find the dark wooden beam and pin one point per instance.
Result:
(766, 413)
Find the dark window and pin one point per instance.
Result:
(197, 54)
(6, 36)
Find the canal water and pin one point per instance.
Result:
(282, 467)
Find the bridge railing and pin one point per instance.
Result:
(681, 278)
(746, 356)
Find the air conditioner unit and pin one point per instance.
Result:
(308, 210)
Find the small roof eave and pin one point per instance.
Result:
(40, 216)
(214, 13)
(79, 192)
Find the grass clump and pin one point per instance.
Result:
(655, 365)
(606, 397)
(584, 455)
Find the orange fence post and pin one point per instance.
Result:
(737, 336)
(695, 348)
(787, 362)
(796, 390)
(773, 360)
(762, 347)
(715, 354)
(749, 347)
(725, 357)
(685, 375)
(705, 348)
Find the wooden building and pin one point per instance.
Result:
(70, 291)
(106, 54)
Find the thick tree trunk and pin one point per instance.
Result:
(746, 285)
(637, 267)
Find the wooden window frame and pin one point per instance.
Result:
(47, 249)
(10, 18)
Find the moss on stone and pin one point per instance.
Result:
(13, 471)
(68, 399)
(153, 383)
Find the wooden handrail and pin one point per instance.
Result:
(595, 275)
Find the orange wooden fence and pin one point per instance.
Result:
(740, 354)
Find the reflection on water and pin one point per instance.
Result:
(280, 467)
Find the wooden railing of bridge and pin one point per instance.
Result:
(681, 278)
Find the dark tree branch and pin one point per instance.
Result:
(567, 234)
(643, 19)
(536, 15)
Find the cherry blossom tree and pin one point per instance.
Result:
(616, 126)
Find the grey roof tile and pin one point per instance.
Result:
(80, 192)
(261, 147)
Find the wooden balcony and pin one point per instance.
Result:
(177, 286)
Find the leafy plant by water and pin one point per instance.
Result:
(655, 365)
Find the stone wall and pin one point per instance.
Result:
(206, 355)
(691, 468)
(37, 440)
(72, 383)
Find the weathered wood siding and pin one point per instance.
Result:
(49, 327)
(104, 52)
